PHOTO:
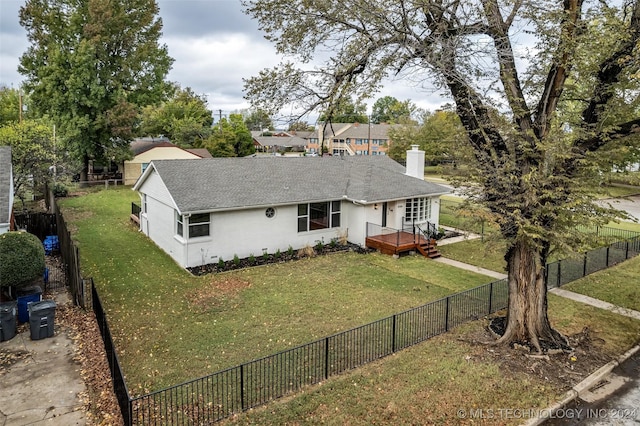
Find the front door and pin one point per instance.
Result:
(384, 214)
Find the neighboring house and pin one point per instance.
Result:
(147, 149)
(203, 211)
(6, 190)
(278, 141)
(351, 139)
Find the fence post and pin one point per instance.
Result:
(626, 253)
(584, 264)
(393, 335)
(559, 278)
(608, 247)
(446, 316)
(242, 396)
(326, 358)
(490, 298)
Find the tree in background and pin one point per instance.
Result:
(300, 126)
(346, 111)
(258, 120)
(184, 118)
(11, 103)
(391, 111)
(91, 65)
(32, 153)
(537, 147)
(441, 136)
(230, 138)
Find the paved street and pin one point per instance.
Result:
(613, 401)
(629, 204)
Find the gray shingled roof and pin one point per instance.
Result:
(5, 183)
(231, 183)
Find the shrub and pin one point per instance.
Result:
(236, 260)
(319, 246)
(220, 263)
(252, 259)
(21, 259)
(290, 251)
(278, 254)
(59, 190)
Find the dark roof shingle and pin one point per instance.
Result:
(231, 183)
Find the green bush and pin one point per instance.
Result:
(59, 190)
(21, 259)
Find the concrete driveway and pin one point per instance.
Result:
(43, 385)
(629, 204)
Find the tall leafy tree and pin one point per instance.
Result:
(535, 145)
(441, 136)
(390, 110)
(32, 153)
(184, 118)
(12, 106)
(300, 126)
(345, 111)
(230, 138)
(90, 66)
(258, 120)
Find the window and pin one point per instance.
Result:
(144, 167)
(314, 216)
(144, 203)
(179, 225)
(417, 209)
(199, 225)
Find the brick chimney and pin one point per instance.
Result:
(415, 162)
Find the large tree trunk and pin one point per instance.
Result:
(527, 320)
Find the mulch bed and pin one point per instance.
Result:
(280, 257)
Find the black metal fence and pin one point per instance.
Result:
(39, 224)
(217, 396)
(117, 377)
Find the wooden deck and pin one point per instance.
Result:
(402, 242)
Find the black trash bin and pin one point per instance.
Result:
(7, 320)
(41, 319)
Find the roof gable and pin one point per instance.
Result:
(232, 183)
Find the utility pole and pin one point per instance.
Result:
(20, 104)
(220, 120)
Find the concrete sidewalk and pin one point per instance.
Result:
(44, 385)
(472, 268)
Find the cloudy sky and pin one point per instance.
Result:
(214, 46)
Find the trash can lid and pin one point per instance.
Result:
(7, 306)
(30, 290)
(42, 305)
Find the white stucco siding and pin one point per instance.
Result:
(251, 232)
(156, 189)
(354, 221)
(435, 211)
(161, 228)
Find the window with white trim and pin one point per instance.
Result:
(179, 225)
(199, 225)
(417, 209)
(314, 216)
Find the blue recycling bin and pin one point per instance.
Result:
(51, 244)
(26, 296)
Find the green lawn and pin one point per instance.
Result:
(161, 315)
(170, 326)
(619, 286)
(431, 382)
